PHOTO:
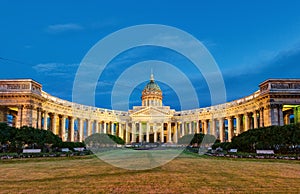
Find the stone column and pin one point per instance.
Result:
(89, 127)
(274, 114)
(101, 127)
(141, 135)
(213, 128)
(222, 131)
(104, 128)
(35, 115)
(108, 127)
(71, 129)
(14, 119)
(230, 128)
(127, 132)
(97, 129)
(19, 117)
(169, 132)
(123, 130)
(186, 128)
(193, 127)
(80, 129)
(112, 126)
(45, 126)
(121, 133)
(255, 119)
(182, 129)
(197, 127)
(190, 127)
(246, 122)
(175, 136)
(100, 123)
(29, 116)
(287, 119)
(267, 116)
(280, 113)
(205, 126)
(63, 127)
(147, 133)
(39, 118)
(238, 124)
(3, 114)
(261, 117)
(133, 139)
(53, 123)
(155, 132)
(162, 133)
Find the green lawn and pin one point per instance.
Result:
(186, 174)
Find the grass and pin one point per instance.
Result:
(188, 173)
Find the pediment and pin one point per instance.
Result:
(151, 111)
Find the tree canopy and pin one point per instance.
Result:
(281, 139)
(14, 139)
(103, 140)
(197, 139)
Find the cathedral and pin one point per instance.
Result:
(24, 103)
(152, 119)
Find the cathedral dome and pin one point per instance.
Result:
(152, 86)
(152, 94)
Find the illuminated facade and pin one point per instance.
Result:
(24, 103)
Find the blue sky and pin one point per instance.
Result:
(251, 41)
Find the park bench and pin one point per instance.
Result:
(80, 149)
(65, 150)
(265, 152)
(232, 151)
(31, 151)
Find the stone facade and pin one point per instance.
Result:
(277, 102)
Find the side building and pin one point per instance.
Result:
(24, 103)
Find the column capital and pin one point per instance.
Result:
(20, 106)
(39, 108)
(268, 106)
(248, 114)
(28, 106)
(53, 114)
(238, 116)
(276, 105)
(230, 117)
(63, 116)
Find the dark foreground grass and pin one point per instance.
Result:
(186, 174)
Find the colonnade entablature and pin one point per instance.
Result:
(24, 103)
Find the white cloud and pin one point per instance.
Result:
(55, 69)
(58, 28)
(45, 67)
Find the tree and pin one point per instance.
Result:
(103, 140)
(197, 139)
(281, 139)
(16, 139)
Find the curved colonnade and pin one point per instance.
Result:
(24, 103)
